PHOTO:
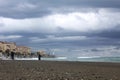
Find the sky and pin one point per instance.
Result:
(77, 27)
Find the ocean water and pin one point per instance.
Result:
(86, 59)
(81, 59)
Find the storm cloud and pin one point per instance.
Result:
(34, 8)
(61, 23)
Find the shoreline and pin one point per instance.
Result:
(66, 60)
(58, 70)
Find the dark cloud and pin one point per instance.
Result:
(109, 34)
(95, 50)
(103, 38)
(112, 33)
(62, 36)
(34, 8)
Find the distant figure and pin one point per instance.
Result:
(39, 56)
(0, 53)
(12, 55)
(7, 52)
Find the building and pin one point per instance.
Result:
(41, 52)
(1, 46)
(7, 46)
(23, 50)
(11, 46)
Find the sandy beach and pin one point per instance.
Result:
(55, 70)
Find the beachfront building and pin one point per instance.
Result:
(4, 46)
(41, 52)
(23, 50)
(1, 46)
(8, 47)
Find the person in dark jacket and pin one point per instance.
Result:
(7, 52)
(12, 54)
(39, 55)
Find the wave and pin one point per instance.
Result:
(61, 57)
(89, 57)
(26, 58)
(84, 57)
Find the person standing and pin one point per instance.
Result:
(39, 55)
(7, 52)
(12, 54)
(0, 54)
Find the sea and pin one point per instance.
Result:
(78, 59)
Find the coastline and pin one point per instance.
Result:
(58, 70)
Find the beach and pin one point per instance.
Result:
(58, 70)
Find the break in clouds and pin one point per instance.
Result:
(57, 24)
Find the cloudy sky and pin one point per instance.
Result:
(62, 24)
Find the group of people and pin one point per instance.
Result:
(8, 53)
(12, 53)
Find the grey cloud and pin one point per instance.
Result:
(10, 37)
(66, 39)
(52, 38)
(62, 40)
(111, 34)
(39, 8)
(1, 25)
(34, 8)
(106, 51)
(70, 42)
(82, 3)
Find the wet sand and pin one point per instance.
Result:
(53, 70)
